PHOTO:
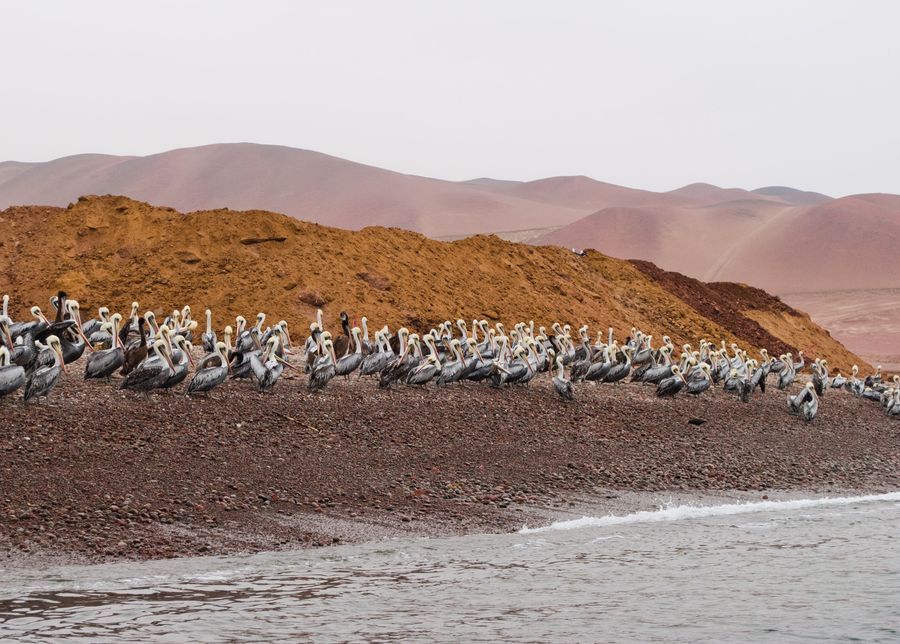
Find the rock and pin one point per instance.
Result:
(375, 280)
(312, 298)
(247, 241)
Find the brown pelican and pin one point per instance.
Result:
(671, 385)
(38, 325)
(323, 369)
(377, 359)
(350, 362)
(44, 378)
(893, 408)
(600, 369)
(209, 336)
(788, 373)
(209, 378)
(94, 325)
(838, 381)
(819, 380)
(100, 339)
(136, 354)
(422, 374)
(102, 364)
(12, 376)
(267, 367)
(407, 360)
(795, 403)
(874, 379)
(654, 374)
(23, 354)
(854, 384)
(700, 380)
(620, 370)
(562, 385)
(452, 370)
(181, 358)
(342, 343)
(151, 374)
(806, 403)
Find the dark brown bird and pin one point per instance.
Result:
(135, 355)
(342, 343)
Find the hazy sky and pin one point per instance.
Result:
(647, 94)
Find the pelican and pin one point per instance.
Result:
(562, 385)
(12, 376)
(838, 381)
(377, 359)
(874, 379)
(398, 369)
(673, 384)
(422, 374)
(699, 380)
(795, 403)
(151, 374)
(266, 367)
(452, 370)
(323, 369)
(209, 378)
(44, 378)
(893, 409)
(806, 403)
(620, 370)
(136, 354)
(94, 325)
(209, 337)
(854, 385)
(102, 364)
(181, 358)
(350, 362)
(819, 379)
(343, 343)
(788, 373)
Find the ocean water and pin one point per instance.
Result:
(815, 570)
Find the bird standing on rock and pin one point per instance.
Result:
(12, 376)
(562, 385)
(208, 378)
(42, 381)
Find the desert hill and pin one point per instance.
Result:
(111, 250)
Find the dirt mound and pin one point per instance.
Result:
(112, 250)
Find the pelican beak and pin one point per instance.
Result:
(333, 356)
(285, 362)
(61, 360)
(81, 331)
(169, 360)
(190, 357)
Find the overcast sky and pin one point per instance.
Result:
(646, 94)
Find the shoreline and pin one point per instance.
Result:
(93, 474)
(618, 503)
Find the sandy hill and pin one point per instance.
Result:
(110, 250)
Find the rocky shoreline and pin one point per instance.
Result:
(95, 474)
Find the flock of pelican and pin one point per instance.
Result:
(151, 356)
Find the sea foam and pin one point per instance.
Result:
(680, 512)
